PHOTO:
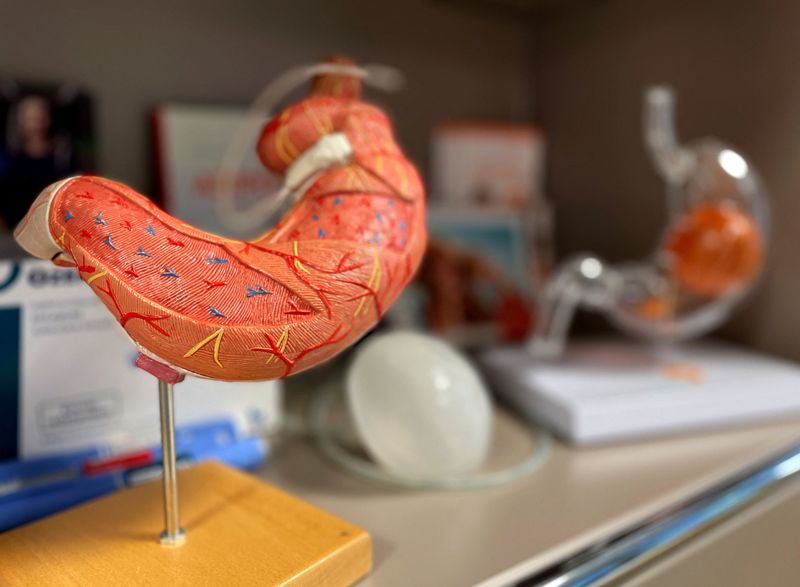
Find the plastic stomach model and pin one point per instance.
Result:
(267, 307)
(709, 255)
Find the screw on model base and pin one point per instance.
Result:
(176, 539)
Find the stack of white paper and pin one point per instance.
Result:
(610, 389)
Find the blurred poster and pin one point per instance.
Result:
(46, 134)
(489, 164)
(192, 141)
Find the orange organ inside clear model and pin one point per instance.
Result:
(714, 249)
(271, 306)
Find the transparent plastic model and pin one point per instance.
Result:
(706, 261)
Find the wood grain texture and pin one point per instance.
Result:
(240, 531)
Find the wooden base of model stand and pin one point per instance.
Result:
(239, 531)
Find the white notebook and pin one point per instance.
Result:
(606, 390)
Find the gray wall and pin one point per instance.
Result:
(734, 63)
(736, 67)
(133, 55)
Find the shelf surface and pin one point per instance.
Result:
(492, 536)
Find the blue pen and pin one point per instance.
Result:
(16, 474)
(203, 436)
(37, 501)
(246, 454)
(16, 513)
(12, 472)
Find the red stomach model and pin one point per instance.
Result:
(272, 306)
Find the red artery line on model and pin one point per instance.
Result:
(124, 317)
(290, 363)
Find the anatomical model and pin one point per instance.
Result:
(265, 308)
(268, 307)
(708, 258)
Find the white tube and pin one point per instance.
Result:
(265, 104)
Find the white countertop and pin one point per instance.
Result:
(495, 535)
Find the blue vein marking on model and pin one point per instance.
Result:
(378, 216)
(68, 216)
(169, 272)
(376, 240)
(402, 224)
(391, 203)
(212, 311)
(150, 229)
(142, 253)
(109, 242)
(315, 216)
(321, 233)
(256, 290)
(402, 241)
(337, 200)
(216, 261)
(99, 218)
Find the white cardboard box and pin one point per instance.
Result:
(68, 380)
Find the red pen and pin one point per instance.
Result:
(124, 461)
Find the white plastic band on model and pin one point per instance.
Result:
(263, 107)
(329, 151)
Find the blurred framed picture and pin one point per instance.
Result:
(46, 134)
(488, 164)
(498, 238)
(477, 282)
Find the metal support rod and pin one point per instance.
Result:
(173, 534)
